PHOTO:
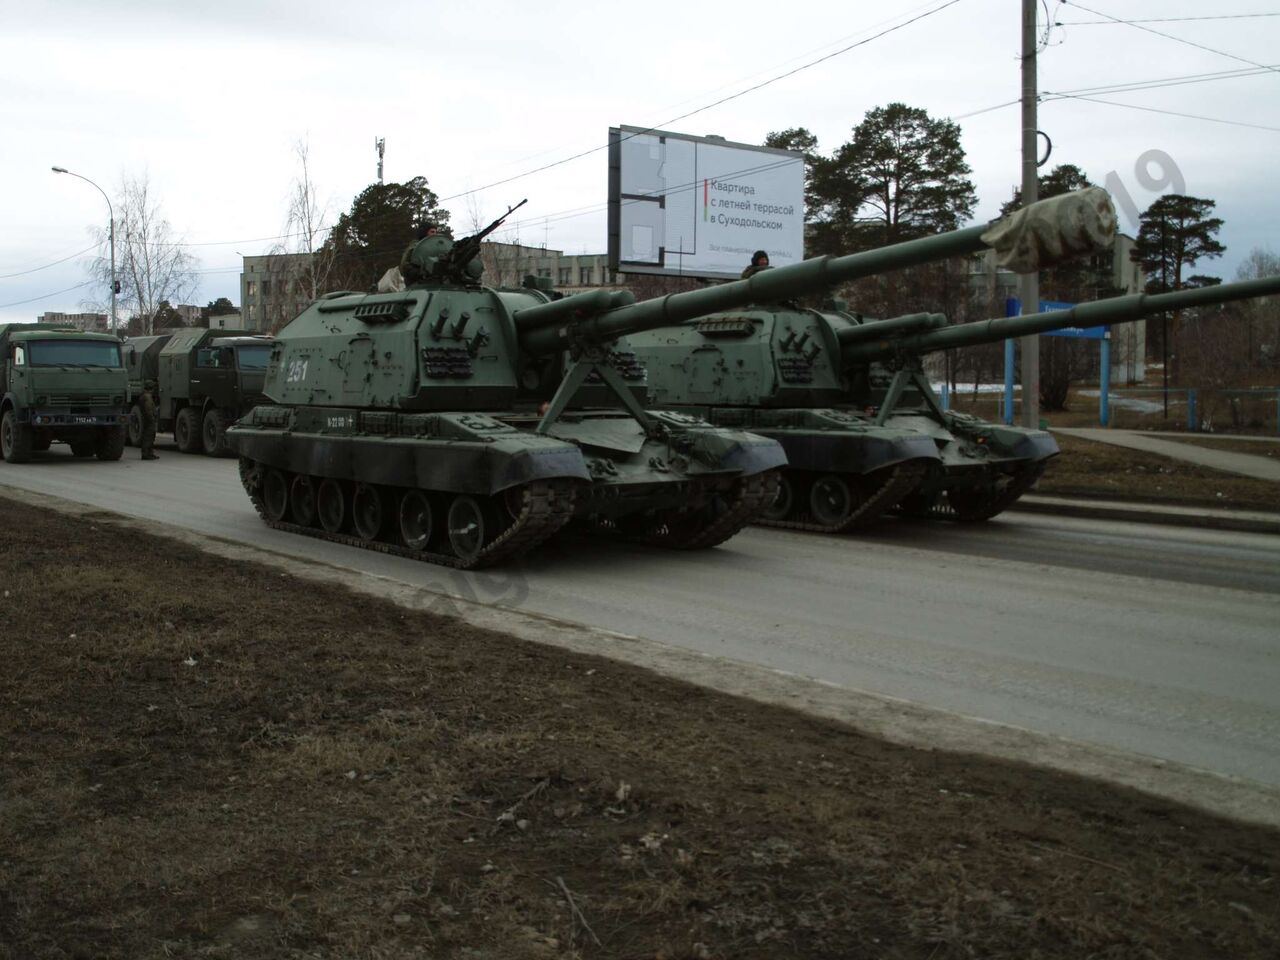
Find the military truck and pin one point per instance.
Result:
(207, 379)
(62, 384)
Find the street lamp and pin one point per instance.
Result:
(115, 285)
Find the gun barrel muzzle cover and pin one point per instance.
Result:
(1050, 231)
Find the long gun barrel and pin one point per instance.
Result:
(1033, 237)
(874, 330)
(1097, 313)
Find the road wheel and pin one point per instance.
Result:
(186, 430)
(469, 527)
(15, 439)
(831, 500)
(134, 437)
(369, 513)
(83, 448)
(331, 505)
(302, 501)
(275, 494)
(784, 501)
(416, 520)
(110, 443)
(215, 433)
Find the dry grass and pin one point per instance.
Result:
(205, 760)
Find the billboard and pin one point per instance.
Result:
(700, 206)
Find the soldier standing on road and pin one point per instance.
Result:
(759, 261)
(147, 405)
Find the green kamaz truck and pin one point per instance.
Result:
(63, 384)
(207, 379)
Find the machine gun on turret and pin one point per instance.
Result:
(463, 251)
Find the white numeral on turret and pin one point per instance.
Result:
(297, 371)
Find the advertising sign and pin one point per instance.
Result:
(700, 206)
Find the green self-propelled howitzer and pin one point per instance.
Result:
(985, 467)
(438, 422)
(745, 355)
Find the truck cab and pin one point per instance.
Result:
(207, 380)
(61, 384)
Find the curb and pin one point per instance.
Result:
(1202, 517)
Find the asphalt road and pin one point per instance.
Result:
(1159, 640)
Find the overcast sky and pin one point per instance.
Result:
(209, 97)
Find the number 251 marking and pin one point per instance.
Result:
(297, 371)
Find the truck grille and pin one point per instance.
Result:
(79, 399)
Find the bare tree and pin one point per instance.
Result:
(152, 264)
(301, 264)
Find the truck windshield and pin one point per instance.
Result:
(73, 353)
(255, 357)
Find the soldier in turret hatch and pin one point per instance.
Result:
(147, 407)
(759, 261)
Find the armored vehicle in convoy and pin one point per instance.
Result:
(61, 384)
(744, 354)
(985, 467)
(441, 421)
(207, 379)
(847, 398)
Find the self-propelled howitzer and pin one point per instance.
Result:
(422, 422)
(984, 466)
(744, 355)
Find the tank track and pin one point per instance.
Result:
(901, 480)
(681, 532)
(546, 506)
(1001, 501)
(983, 508)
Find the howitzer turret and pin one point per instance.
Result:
(420, 421)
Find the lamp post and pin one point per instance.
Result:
(112, 233)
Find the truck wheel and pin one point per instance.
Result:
(83, 448)
(15, 439)
(110, 444)
(186, 430)
(134, 437)
(215, 433)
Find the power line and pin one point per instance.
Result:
(23, 273)
(1171, 113)
(18, 303)
(1224, 16)
(722, 100)
(1138, 85)
(1132, 86)
(1168, 36)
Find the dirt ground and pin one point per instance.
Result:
(205, 759)
(1092, 469)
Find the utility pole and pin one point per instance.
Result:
(381, 146)
(1029, 283)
